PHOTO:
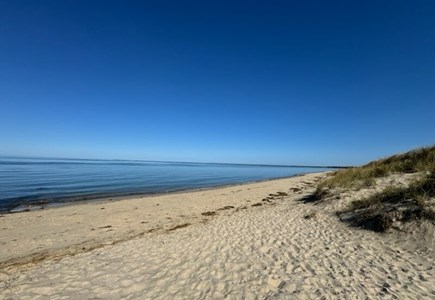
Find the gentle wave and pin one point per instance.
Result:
(25, 181)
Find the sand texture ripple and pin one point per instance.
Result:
(283, 249)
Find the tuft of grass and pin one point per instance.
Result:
(418, 192)
(419, 160)
(355, 177)
(422, 159)
(319, 194)
(404, 203)
(389, 195)
(374, 222)
(381, 210)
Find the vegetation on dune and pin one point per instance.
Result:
(422, 159)
(403, 204)
(418, 191)
(419, 160)
(379, 211)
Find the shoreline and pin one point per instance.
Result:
(102, 198)
(35, 235)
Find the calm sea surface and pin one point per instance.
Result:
(41, 181)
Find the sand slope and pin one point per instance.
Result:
(263, 252)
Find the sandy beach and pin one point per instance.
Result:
(252, 241)
(184, 150)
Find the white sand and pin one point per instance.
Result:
(270, 251)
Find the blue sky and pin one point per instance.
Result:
(299, 82)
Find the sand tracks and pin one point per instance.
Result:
(269, 252)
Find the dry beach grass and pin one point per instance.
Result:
(391, 192)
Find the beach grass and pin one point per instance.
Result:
(419, 160)
(413, 200)
(393, 203)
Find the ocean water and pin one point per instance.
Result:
(32, 182)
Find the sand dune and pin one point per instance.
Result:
(282, 249)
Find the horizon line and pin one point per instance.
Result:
(185, 162)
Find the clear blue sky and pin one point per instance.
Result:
(300, 82)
